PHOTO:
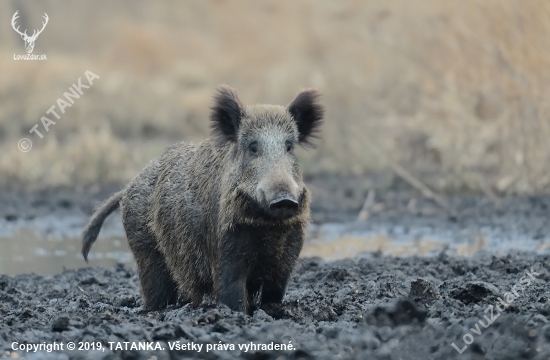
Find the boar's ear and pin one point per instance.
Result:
(226, 114)
(308, 115)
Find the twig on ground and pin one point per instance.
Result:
(418, 185)
(411, 180)
(367, 206)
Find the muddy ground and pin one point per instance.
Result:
(489, 305)
(372, 308)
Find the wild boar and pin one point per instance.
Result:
(224, 218)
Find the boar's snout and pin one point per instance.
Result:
(279, 193)
(283, 206)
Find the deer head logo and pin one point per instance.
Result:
(29, 40)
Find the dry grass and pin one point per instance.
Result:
(455, 92)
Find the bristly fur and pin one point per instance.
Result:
(308, 114)
(226, 115)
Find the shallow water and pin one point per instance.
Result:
(48, 244)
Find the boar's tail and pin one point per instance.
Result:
(94, 225)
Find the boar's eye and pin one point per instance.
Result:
(253, 147)
(289, 147)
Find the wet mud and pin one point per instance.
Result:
(377, 307)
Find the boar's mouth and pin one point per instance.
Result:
(281, 208)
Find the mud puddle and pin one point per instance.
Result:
(50, 244)
(340, 241)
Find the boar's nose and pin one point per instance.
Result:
(283, 206)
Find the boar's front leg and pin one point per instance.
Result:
(233, 287)
(278, 272)
(274, 291)
(233, 275)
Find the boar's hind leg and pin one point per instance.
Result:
(157, 287)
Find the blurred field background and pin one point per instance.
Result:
(455, 92)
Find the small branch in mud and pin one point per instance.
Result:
(411, 180)
(418, 185)
(367, 206)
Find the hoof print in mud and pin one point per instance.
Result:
(403, 312)
(60, 323)
(474, 292)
